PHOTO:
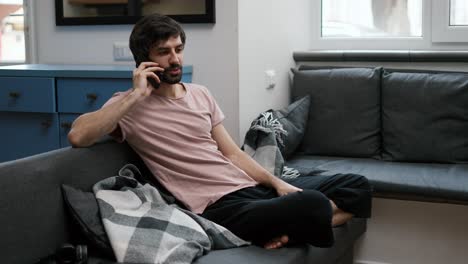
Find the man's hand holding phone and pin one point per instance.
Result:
(146, 77)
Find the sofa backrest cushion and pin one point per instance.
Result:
(344, 114)
(425, 117)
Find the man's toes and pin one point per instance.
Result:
(277, 242)
(272, 245)
(334, 207)
(284, 239)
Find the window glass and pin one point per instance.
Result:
(372, 18)
(459, 12)
(12, 42)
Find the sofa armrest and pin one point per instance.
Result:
(33, 216)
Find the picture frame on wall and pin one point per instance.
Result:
(111, 12)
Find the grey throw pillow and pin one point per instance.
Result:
(294, 120)
(84, 211)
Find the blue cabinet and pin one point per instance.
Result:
(24, 134)
(65, 123)
(39, 102)
(75, 95)
(23, 94)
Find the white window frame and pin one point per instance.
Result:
(29, 34)
(30, 31)
(441, 29)
(426, 42)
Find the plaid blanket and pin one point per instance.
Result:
(143, 228)
(262, 144)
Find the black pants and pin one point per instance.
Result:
(258, 214)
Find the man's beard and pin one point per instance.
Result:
(167, 77)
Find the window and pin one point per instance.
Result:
(12, 37)
(450, 20)
(458, 13)
(371, 18)
(389, 24)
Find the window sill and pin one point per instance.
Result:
(381, 55)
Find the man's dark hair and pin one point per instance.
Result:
(150, 31)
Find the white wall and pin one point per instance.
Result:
(211, 49)
(409, 232)
(269, 31)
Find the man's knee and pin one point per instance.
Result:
(315, 205)
(359, 182)
(313, 218)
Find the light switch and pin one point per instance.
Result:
(122, 52)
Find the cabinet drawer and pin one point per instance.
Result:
(25, 134)
(27, 94)
(76, 95)
(65, 122)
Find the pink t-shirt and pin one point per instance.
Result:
(173, 138)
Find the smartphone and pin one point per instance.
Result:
(153, 82)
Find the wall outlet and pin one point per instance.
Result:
(122, 52)
(270, 76)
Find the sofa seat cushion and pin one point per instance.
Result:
(345, 237)
(413, 181)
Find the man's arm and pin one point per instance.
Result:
(229, 148)
(90, 127)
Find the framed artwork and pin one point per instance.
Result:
(110, 12)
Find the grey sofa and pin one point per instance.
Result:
(405, 130)
(35, 222)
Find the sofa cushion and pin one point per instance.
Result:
(84, 210)
(344, 114)
(345, 237)
(425, 117)
(341, 252)
(294, 120)
(414, 181)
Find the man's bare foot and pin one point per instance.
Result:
(277, 242)
(339, 216)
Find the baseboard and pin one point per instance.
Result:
(369, 262)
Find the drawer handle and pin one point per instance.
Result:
(66, 125)
(91, 96)
(46, 124)
(14, 95)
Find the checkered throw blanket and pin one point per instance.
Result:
(262, 144)
(143, 228)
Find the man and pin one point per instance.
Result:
(178, 132)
